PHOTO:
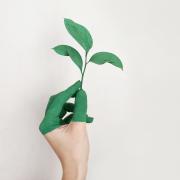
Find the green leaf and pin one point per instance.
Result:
(66, 50)
(106, 57)
(79, 33)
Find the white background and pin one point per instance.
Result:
(135, 135)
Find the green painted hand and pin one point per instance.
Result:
(57, 108)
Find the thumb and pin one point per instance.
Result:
(80, 109)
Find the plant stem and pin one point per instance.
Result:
(82, 77)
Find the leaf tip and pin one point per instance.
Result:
(67, 20)
(122, 68)
(54, 48)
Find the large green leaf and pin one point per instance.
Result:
(79, 33)
(106, 57)
(66, 50)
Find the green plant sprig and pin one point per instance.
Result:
(85, 65)
(84, 38)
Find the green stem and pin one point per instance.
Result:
(82, 77)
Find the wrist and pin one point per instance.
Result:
(75, 173)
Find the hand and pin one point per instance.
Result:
(58, 107)
(67, 135)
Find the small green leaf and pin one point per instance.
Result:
(106, 57)
(66, 50)
(79, 33)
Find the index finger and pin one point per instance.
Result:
(70, 91)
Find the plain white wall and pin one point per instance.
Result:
(135, 135)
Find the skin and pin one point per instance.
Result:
(71, 144)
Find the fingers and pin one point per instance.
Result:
(49, 103)
(68, 107)
(68, 119)
(55, 111)
(89, 119)
(63, 96)
(48, 125)
(56, 102)
(70, 91)
(80, 108)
